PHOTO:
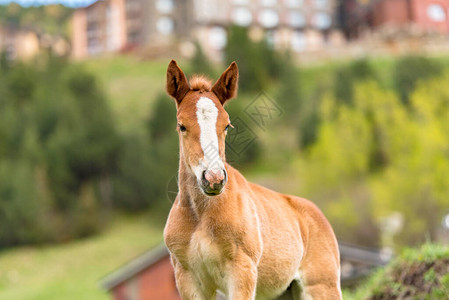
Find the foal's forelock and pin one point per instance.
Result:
(207, 115)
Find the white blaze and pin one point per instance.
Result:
(207, 114)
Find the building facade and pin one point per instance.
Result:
(114, 25)
(422, 16)
(25, 44)
(300, 25)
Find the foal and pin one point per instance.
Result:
(225, 233)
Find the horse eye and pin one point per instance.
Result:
(182, 128)
(227, 127)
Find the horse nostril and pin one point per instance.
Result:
(204, 176)
(225, 176)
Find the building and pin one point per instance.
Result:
(25, 44)
(148, 277)
(151, 276)
(300, 25)
(111, 26)
(114, 25)
(420, 16)
(19, 44)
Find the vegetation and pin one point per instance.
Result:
(258, 62)
(409, 70)
(79, 142)
(381, 157)
(49, 19)
(65, 164)
(72, 271)
(58, 143)
(71, 152)
(421, 273)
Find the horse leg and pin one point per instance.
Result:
(293, 292)
(242, 278)
(320, 281)
(187, 286)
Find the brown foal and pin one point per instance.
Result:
(230, 235)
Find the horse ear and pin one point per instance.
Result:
(226, 86)
(177, 85)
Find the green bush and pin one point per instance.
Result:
(378, 157)
(289, 94)
(57, 143)
(347, 76)
(200, 64)
(23, 208)
(253, 74)
(409, 70)
(416, 274)
(149, 161)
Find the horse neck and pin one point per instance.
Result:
(190, 194)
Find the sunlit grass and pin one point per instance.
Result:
(383, 278)
(73, 270)
(131, 85)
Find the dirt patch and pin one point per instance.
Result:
(415, 280)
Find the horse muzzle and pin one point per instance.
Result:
(213, 181)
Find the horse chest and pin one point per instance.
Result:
(206, 258)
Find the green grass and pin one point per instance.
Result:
(387, 278)
(131, 86)
(73, 270)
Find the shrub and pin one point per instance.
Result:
(200, 64)
(57, 142)
(346, 77)
(409, 70)
(378, 157)
(416, 274)
(149, 161)
(252, 71)
(289, 94)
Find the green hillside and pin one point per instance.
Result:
(50, 19)
(421, 273)
(131, 86)
(72, 271)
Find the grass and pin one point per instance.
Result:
(131, 86)
(424, 265)
(71, 271)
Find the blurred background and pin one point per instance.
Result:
(355, 117)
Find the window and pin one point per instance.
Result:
(320, 3)
(268, 18)
(164, 6)
(298, 41)
(296, 19)
(268, 2)
(217, 37)
(132, 6)
(133, 37)
(270, 37)
(293, 3)
(436, 13)
(242, 16)
(240, 2)
(165, 25)
(322, 20)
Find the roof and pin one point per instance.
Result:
(368, 256)
(133, 267)
(365, 255)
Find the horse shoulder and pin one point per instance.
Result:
(179, 228)
(317, 231)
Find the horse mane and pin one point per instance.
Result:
(200, 83)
